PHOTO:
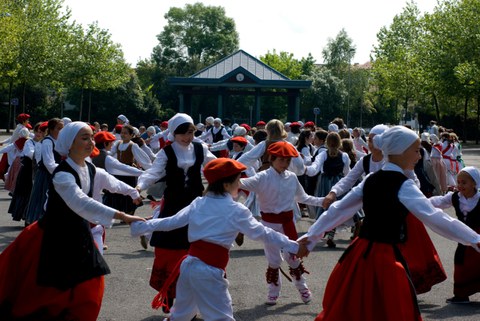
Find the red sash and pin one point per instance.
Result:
(209, 253)
(284, 218)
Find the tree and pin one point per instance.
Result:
(96, 63)
(338, 54)
(395, 68)
(195, 37)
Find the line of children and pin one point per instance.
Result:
(373, 268)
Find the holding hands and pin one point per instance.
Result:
(302, 249)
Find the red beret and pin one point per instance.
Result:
(239, 140)
(282, 149)
(246, 126)
(92, 127)
(222, 167)
(261, 123)
(309, 124)
(29, 126)
(43, 126)
(102, 137)
(295, 124)
(118, 127)
(23, 117)
(95, 152)
(164, 124)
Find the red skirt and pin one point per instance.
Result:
(369, 284)
(163, 266)
(466, 274)
(13, 170)
(422, 258)
(22, 297)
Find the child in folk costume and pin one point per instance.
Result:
(465, 201)
(53, 270)
(277, 189)
(23, 188)
(438, 165)
(213, 222)
(425, 266)
(333, 164)
(14, 151)
(48, 162)
(373, 267)
(449, 154)
(128, 153)
(180, 165)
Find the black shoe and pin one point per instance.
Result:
(143, 241)
(331, 244)
(458, 300)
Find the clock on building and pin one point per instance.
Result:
(240, 77)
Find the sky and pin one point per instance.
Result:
(298, 27)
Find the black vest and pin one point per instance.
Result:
(333, 166)
(366, 163)
(218, 136)
(68, 255)
(179, 193)
(472, 219)
(384, 214)
(99, 161)
(56, 156)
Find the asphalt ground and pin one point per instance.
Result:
(128, 294)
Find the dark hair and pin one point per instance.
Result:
(339, 122)
(347, 147)
(344, 133)
(100, 145)
(302, 139)
(37, 125)
(104, 126)
(183, 128)
(129, 128)
(217, 187)
(295, 129)
(260, 135)
(52, 123)
(321, 134)
(138, 140)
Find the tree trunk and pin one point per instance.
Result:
(24, 94)
(81, 106)
(465, 109)
(437, 110)
(478, 119)
(89, 104)
(10, 85)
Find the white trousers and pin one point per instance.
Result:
(201, 288)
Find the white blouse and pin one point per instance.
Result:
(185, 159)
(77, 199)
(445, 201)
(138, 154)
(411, 197)
(317, 165)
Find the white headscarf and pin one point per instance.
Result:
(378, 129)
(66, 121)
(434, 138)
(175, 121)
(395, 140)
(123, 118)
(67, 135)
(239, 131)
(333, 127)
(474, 173)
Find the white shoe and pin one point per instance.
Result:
(271, 300)
(305, 295)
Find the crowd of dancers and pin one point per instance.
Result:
(71, 180)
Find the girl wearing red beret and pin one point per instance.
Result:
(277, 190)
(213, 223)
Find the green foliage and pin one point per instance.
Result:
(195, 37)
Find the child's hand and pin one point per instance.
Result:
(302, 250)
(138, 201)
(329, 199)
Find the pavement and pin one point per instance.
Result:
(128, 294)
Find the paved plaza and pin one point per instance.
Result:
(128, 294)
